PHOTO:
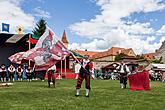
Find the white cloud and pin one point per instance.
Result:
(162, 39)
(161, 30)
(12, 13)
(41, 13)
(152, 38)
(110, 27)
(94, 45)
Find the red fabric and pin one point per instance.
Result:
(90, 66)
(70, 76)
(139, 81)
(47, 52)
(33, 41)
(53, 76)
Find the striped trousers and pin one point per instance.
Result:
(80, 80)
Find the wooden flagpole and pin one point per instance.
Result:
(65, 66)
(61, 67)
(59, 76)
(29, 45)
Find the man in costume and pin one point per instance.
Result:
(123, 71)
(85, 72)
(29, 73)
(19, 72)
(3, 73)
(11, 70)
(51, 75)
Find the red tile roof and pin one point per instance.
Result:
(90, 53)
(113, 51)
(149, 56)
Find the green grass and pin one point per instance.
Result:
(105, 95)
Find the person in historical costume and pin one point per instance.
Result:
(29, 71)
(11, 70)
(163, 77)
(123, 71)
(51, 75)
(85, 72)
(3, 73)
(19, 72)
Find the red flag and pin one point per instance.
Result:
(139, 81)
(16, 58)
(48, 50)
(32, 40)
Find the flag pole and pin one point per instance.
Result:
(29, 45)
(61, 67)
(65, 66)
(59, 75)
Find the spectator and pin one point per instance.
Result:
(29, 73)
(3, 73)
(11, 70)
(19, 73)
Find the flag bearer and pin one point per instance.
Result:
(85, 72)
(51, 75)
(123, 71)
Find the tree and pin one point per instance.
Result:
(40, 29)
(157, 60)
(140, 56)
(119, 56)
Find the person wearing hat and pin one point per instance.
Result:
(84, 73)
(51, 75)
(123, 71)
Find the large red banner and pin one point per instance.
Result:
(139, 81)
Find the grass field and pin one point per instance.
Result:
(105, 95)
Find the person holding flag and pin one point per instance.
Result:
(51, 75)
(85, 72)
(123, 71)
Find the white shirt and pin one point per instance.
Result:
(122, 68)
(52, 68)
(11, 69)
(77, 68)
(85, 62)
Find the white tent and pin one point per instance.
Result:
(156, 66)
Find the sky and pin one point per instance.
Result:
(95, 25)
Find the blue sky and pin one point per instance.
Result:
(95, 25)
(63, 14)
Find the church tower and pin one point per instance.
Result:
(64, 39)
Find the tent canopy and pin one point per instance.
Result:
(77, 55)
